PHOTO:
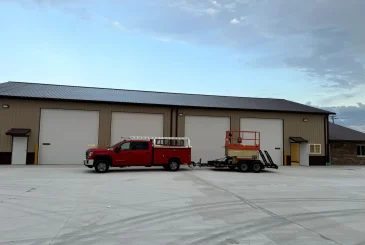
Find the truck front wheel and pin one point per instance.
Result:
(174, 165)
(101, 166)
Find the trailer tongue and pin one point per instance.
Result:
(242, 151)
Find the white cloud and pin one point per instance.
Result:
(235, 21)
(215, 3)
(117, 25)
(360, 128)
(349, 116)
(321, 39)
(211, 11)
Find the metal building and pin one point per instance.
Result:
(55, 124)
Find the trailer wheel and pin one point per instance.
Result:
(174, 165)
(256, 167)
(242, 166)
(101, 166)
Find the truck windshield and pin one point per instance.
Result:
(116, 144)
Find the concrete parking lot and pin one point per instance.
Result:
(74, 205)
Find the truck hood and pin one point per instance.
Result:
(97, 150)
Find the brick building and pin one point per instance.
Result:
(347, 146)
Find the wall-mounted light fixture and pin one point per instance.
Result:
(180, 114)
(5, 106)
(305, 120)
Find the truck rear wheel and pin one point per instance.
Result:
(174, 165)
(242, 166)
(256, 167)
(101, 166)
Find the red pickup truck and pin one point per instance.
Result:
(168, 152)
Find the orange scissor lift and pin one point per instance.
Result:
(242, 151)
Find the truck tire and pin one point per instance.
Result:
(174, 165)
(242, 166)
(101, 166)
(256, 167)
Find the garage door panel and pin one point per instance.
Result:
(65, 135)
(207, 136)
(271, 135)
(135, 124)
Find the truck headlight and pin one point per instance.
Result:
(89, 154)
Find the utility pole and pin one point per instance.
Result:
(333, 118)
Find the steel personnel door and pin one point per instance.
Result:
(19, 151)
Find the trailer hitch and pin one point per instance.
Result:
(194, 164)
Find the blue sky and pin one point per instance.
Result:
(310, 52)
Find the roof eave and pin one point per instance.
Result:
(186, 106)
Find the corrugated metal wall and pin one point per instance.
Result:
(26, 114)
(312, 130)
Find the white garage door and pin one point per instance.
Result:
(207, 136)
(65, 135)
(135, 124)
(271, 133)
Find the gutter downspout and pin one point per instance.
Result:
(176, 122)
(328, 157)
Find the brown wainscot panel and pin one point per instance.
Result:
(5, 158)
(317, 160)
(288, 160)
(30, 158)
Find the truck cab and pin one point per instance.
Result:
(168, 152)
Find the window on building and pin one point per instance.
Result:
(361, 150)
(315, 148)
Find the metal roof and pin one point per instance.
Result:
(297, 140)
(341, 133)
(63, 92)
(18, 131)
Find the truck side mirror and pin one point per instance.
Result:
(117, 149)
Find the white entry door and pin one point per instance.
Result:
(19, 152)
(304, 154)
(271, 134)
(207, 136)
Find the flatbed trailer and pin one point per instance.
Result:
(225, 163)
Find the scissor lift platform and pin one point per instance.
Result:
(242, 151)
